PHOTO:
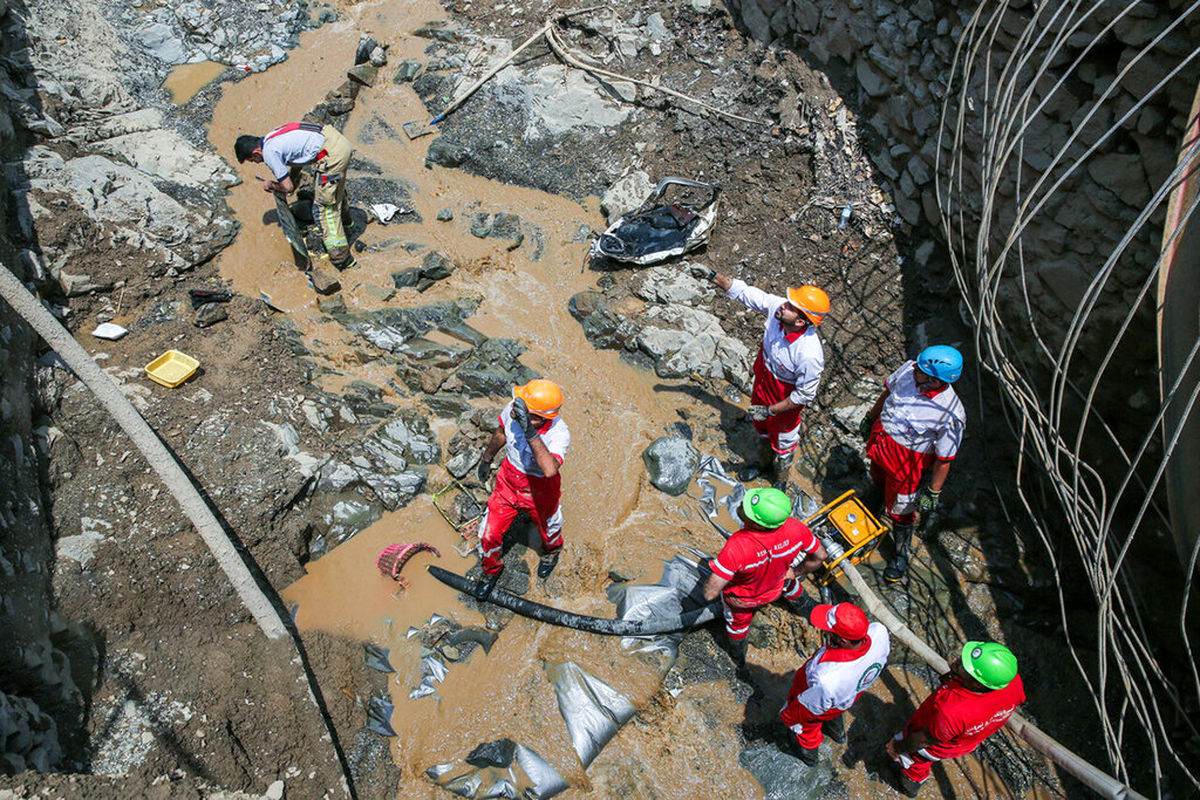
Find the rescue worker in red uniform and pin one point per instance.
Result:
(535, 440)
(913, 433)
(754, 566)
(976, 698)
(285, 151)
(787, 370)
(832, 680)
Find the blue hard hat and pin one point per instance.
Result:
(941, 361)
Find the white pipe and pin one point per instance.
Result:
(1093, 777)
(150, 446)
(172, 475)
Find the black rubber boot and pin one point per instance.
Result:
(737, 651)
(835, 729)
(762, 462)
(802, 605)
(898, 566)
(783, 469)
(489, 583)
(547, 564)
(808, 757)
(905, 784)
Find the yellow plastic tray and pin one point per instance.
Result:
(172, 368)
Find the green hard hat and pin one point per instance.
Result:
(991, 664)
(767, 508)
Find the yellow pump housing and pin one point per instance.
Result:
(851, 529)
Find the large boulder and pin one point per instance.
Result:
(671, 463)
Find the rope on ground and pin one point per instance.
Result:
(169, 470)
(1095, 778)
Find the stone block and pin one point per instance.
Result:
(870, 80)
(920, 173)
(1065, 280)
(757, 22)
(1123, 175)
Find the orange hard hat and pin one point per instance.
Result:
(812, 302)
(542, 397)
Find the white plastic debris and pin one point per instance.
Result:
(109, 330)
(385, 211)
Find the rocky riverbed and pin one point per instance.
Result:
(371, 388)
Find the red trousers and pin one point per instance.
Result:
(738, 617)
(781, 430)
(515, 492)
(805, 725)
(898, 472)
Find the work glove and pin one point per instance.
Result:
(520, 415)
(702, 272)
(928, 500)
(864, 427)
(483, 470)
(758, 413)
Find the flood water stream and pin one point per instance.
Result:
(613, 515)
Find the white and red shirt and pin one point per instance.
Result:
(756, 563)
(929, 423)
(517, 452)
(796, 359)
(831, 681)
(959, 719)
(294, 143)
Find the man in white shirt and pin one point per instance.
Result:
(535, 441)
(787, 370)
(913, 433)
(293, 146)
(832, 680)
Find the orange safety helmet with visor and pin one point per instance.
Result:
(542, 397)
(810, 301)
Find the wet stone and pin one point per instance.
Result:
(408, 71)
(445, 153)
(364, 74)
(349, 516)
(323, 283)
(407, 278)
(459, 465)
(493, 754)
(602, 326)
(366, 45)
(671, 463)
(332, 305)
(439, 31)
(447, 406)
(465, 508)
(210, 314)
(445, 215)
(434, 354)
(436, 266)
(782, 775)
(494, 368)
(481, 225)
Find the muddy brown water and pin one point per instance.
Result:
(185, 80)
(613, 516)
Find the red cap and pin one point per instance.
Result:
(845, 620)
